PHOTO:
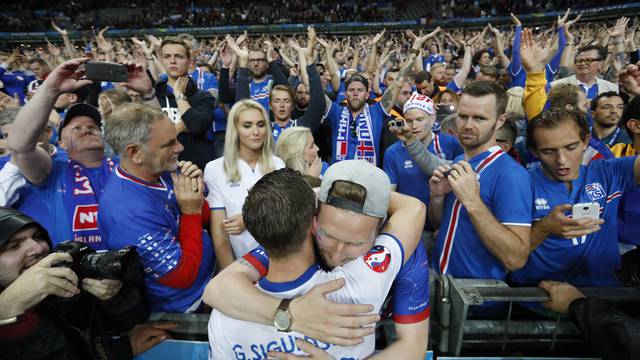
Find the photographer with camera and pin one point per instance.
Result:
(48, 311)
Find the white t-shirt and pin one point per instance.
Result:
(11, 181)
(368, 280)
(228, 196)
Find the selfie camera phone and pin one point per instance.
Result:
(104, 71)
(590, 210)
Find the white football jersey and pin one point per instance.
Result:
(368, 280)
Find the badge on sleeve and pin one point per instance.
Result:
(378, 258)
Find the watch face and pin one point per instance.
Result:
(281, 320)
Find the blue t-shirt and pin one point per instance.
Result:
(138, 213)
(506, 190)
(432, 59)
(404, 172)
(356, 138)
(15, 82)
(46, 205)
(628, 215)
(591, 259)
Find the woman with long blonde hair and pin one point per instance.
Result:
(248, 155)
(298, 150)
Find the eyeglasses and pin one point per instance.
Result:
(586, 61)
(258, 60)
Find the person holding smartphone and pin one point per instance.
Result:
(581, 249)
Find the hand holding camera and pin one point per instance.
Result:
(37, 283)
(398, 128)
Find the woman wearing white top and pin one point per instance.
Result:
(298, 150)
(248, 155)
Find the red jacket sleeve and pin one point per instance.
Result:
(190, 238)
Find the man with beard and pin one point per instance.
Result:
(606, 110)
(482, 203)
(263, 74)
(353, 203)
(281, 97)
(41, 70)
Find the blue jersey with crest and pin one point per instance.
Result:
(506, 190)
(588, 260)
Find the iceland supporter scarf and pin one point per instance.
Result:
(355, 136)
(81, 201)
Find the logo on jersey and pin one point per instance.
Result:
(595, 191)
(408, 164)
(85, 217)
(542, 204)
(378, 258)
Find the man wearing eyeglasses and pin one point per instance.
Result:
(588, 64)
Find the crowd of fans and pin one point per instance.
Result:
(485, 8)
(499, 153)
(80, 15)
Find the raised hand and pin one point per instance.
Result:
(534, 57)
(103, 44)
(58, 29)
(66, 77)
(376, 39)
(139, 80)
(515, 19)
(420, 40)
(629, 78)
(241, 53)
(618, 30)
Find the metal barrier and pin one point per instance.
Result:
(451, 326)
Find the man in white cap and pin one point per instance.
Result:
(354, 201)
(406, 177)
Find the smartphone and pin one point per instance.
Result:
(104, 71)
(590, 210)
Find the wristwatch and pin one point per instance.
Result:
(282, 317)
(180, 97)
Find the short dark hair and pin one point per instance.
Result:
(480, 88)
(632, 111)
(490, 71)
(285, 88)
(280, 232)
(551, 118)
(174, 40)
(359, 78)
(608, 94)
(602, 52)
(423, 76)
(39, 61)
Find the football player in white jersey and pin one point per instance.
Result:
(345, 229)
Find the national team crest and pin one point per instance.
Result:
(595, 191)
(378, 258)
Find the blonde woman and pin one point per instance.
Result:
(248, 155)
(298, 150)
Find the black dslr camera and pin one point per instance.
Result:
(123, 264)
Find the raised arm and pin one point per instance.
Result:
(373, 53)
(534, 59)
(499, 47)
(332, 65)
(34, 163)
(68, 46)
(516, 60)
(242, 80)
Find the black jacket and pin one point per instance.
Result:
(198, 148)
(78, 328)
(611, 333)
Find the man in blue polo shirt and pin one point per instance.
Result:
(483, 204)
(581, 251)
(406, 177)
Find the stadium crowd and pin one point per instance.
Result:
(499, 153)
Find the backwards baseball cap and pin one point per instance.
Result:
(12, 221)
(375, 182)
(80, 110)
(419, 101)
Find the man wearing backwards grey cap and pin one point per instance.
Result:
(65, 193)
(354, 201)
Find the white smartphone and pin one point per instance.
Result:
(590, 210)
